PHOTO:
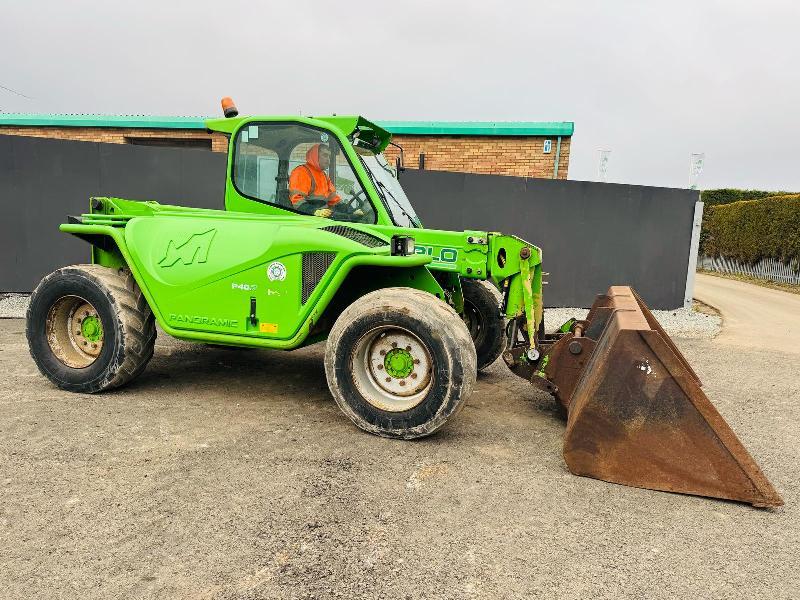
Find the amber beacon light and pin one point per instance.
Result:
(229, 108)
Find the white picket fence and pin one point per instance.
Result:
(764, 269)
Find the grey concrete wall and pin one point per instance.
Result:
(593, 235)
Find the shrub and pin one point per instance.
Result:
(750, 230)
(728, 195)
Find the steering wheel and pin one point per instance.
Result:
(358, 201)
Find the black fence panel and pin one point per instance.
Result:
(592, 235)
(42, 181)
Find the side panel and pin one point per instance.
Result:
(214, 274)
(193, 270)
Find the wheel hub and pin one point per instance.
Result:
(393, 369)
(91, 328)
(474, 321)
(74, 332)
(398, 363)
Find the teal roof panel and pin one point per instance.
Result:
(518, 128)
(468, 128)
(134, 121)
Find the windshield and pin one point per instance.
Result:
(390, 190)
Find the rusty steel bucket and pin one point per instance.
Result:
(636, 414)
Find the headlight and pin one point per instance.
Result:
(402, 245)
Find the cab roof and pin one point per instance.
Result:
(346, 124)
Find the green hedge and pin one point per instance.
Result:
(728, 195)
(748, 231)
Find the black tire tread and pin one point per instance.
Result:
(136, 320)
(442, 317)
(487, 299)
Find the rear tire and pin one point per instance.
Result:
(484, 321)
(90, 328)
(400, 362)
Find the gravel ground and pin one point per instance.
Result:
(13, 306)
(681, 322)
(224, 474)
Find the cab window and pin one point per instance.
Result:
(299, 168)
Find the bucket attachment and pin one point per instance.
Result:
(636, 413)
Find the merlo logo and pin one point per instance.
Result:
(193, 250)
(439, 255)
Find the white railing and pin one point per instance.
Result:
(766, 268)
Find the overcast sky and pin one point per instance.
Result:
(650, 81)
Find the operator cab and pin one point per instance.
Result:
(266, 154)
(303, 166)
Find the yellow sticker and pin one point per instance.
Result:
(268, 327)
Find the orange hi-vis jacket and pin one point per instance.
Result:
(310, 183)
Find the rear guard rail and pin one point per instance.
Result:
(635, 412)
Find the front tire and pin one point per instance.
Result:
(90, 328)
(484, 321)
(400, 362)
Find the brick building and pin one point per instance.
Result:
(526, 149)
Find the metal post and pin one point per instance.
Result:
(602, 165)
(558, 156)
(694, 245)
(696, 162)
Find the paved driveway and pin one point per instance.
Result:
(752, 316)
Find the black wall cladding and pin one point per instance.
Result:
(592, 234)
(42, 181)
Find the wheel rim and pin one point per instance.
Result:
(74, 332)
(475, 322)
(392, 368)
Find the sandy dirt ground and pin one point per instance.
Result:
(231, 474)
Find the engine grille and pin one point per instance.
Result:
(315, 264)
(357, 236)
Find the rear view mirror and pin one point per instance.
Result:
(399, 162)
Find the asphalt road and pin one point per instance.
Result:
(752, 316)
(232, 474)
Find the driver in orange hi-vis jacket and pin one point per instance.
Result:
(310, 188)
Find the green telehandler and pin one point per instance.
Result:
(319, 242)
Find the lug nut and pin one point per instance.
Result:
(388, 379)
(383, 352)
(408, 348)
(394, 344)
(416, 361)
(402, 383)
(380, 367)
(413, 376)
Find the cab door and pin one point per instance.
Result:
(266, 156)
